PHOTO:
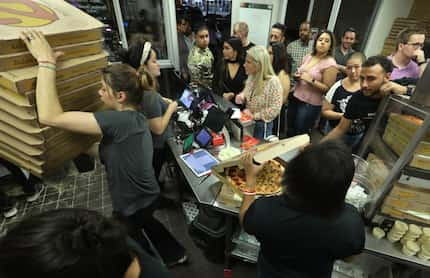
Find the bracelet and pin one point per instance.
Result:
(48, 67)
(46, 62)
(248, 193)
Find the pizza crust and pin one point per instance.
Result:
(268, 179)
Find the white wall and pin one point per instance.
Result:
(278, 12)
(388, 11)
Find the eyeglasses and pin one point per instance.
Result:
(416, 45)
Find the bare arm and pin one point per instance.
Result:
(49, 109)
(159, 124)
(93, 151)
(251, 171)
(339, 130)
(286, 85)
(328, 113)
(329, 78)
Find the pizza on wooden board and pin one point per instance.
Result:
(268, 179)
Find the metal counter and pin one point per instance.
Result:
(392, 251)
(206, 190)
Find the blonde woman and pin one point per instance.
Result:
(263, 91)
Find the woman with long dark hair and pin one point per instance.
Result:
(126, 146)
(313, 79)
(281, 62)
(230, 74)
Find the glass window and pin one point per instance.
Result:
(103, 10)
(321, 13)
(145, 17)
(297, 11)
(218, 7)
(351, 14)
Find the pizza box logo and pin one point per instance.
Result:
(25, 13)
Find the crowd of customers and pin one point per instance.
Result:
(285, 88)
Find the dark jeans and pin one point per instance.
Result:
(28, 184)
(353, 140)
(301, 117)
(159, 157)
(280, 121)
(260, 127)
(167, 246)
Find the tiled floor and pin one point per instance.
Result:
(71, 190)
(89, 190)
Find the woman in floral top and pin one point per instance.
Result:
(263, 91)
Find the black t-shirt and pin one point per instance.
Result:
(299, 244)
(237, 83)
(126, 151)
(223, 83)
(361, 111)
(250, 44)
(149, 266)
(153, 106)
(340, 101)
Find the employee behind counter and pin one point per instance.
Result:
(310, 223)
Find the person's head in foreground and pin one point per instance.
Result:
(318, 178)
(75, 243)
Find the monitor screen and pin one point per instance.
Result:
(200, 162)
(186, 98)
(203, 138)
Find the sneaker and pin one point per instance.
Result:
(38, 187)
(10, 211)
(182, 260)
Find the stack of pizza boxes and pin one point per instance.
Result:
(399, 132)
(273, 155)
(23, 140)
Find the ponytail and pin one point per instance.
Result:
(122, 77)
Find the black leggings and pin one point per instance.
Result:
(167, 246)
(21, 179)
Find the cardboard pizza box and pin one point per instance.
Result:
(23, 113)
(268, 151)
(19, 145)
(407, 124)
(25, 164)
(24, 80)
(14, 98)
(62, 23)
(25, 59)
(264, 153)
(20, 135)
(35, 161)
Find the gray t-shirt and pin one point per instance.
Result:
(153, 106)
(126, 151)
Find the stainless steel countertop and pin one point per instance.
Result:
(206, 190)
(384, 248)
